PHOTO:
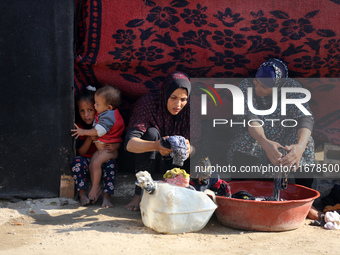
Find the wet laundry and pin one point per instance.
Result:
(243, 195)
(247, 196)
(179, 149)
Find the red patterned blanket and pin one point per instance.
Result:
(134, 44)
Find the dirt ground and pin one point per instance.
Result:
(61, 226)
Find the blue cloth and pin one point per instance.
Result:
(180, 149)
(266, 75)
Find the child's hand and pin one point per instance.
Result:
(94, 138)
(111, 147)
(78, 131)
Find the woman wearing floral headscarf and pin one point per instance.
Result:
(261, 143)
(166, 113)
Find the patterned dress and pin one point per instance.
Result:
(243, 142)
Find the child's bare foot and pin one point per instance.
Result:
(84, 200)
(107, 201)
(95, 193)
(134, 204)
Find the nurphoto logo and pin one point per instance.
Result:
(238, 99)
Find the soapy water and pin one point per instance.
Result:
(266, 199)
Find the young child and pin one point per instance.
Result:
(85, 149)
(108, 128)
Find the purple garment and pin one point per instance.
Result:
(180, 149)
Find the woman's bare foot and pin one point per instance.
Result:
(95, 193)
(84, 200)
(134, 204)
(107, 201)
(314, 214)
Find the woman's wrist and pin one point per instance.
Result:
(301, 148)
(156, 145)
(263, 141)
(138, 145)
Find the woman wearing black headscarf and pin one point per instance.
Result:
(166, 113)
(260, 143)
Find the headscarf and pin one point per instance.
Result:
(151, 110)
(272, 73)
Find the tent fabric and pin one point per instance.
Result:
(133, 45)
(36, 96)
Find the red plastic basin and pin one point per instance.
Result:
(265, 215)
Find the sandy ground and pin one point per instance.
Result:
(60, 226)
